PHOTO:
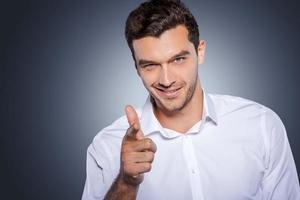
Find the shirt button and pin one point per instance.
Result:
(193, 171)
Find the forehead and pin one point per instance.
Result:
(167, 45)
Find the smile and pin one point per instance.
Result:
(168, 93)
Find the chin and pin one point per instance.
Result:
(169, 106)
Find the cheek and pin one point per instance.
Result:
(147, 78)
(188, 72)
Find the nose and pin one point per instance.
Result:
(166, 78)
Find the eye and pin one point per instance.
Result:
(148, 67)
(179, 60)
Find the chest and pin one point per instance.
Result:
(210, 165)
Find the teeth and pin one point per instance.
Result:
(170, 91)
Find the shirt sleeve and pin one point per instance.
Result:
(280, 179)
(97, 174)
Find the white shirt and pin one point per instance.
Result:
(239, 151)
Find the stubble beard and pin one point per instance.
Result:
(158, 104)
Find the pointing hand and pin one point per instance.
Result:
(137, 152)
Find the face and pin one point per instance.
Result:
(168, 67)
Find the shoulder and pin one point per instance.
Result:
(242, 108)
(233, 101)
(228, 105)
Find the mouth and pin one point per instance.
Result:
(169, 93)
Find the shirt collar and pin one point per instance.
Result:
(150, 124)
(209, 108)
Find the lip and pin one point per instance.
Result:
(170, 94)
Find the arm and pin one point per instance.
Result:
(120, 190)
(280, 179)
(137, 154)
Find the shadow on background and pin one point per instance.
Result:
(66, 72)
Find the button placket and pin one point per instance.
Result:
(191, 161)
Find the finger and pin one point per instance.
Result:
(143, 167)
(133, 120)
(139, 135)
(132, 116)
(138, 157)
(145, 144)
(131, 134)
(136, 169)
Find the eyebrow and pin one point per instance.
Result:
(181, 53)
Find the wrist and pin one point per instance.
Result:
(127, 182)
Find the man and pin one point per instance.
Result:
(184, 143)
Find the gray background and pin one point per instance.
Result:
(66, 72)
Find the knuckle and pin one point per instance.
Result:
(128, 169)
(151, 156)
(147, 167)
(126, 148)
(124, 158)
(148, 142)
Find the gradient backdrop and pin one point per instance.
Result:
(66, 72)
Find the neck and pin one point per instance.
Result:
(181, 121)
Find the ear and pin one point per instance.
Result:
(201, 51)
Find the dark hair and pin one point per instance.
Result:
(153, 17)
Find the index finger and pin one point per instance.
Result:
(132, 117)
(131, 133)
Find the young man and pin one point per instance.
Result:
(184, 143)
